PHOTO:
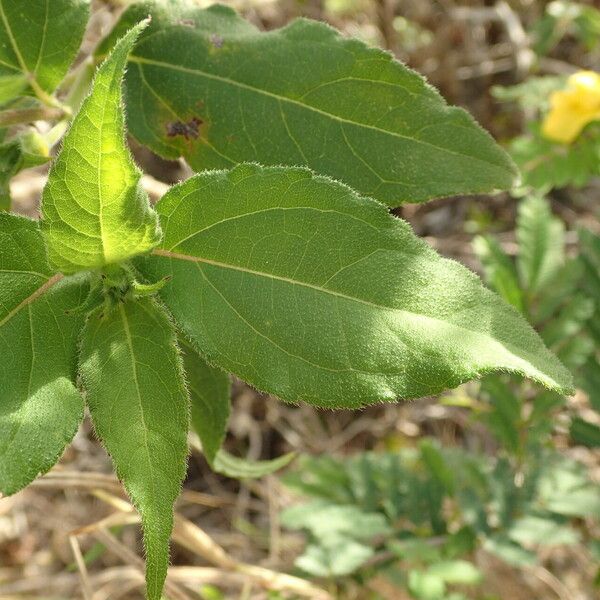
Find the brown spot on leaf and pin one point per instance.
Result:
(216, 40)
(189, 130)
(187, 22)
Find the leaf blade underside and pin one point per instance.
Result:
(210, 392)
(95, 212)
(132, 374)
(304, 289)
(40, 407)
(208, 86)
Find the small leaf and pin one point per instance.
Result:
(40, 408)
(39, 40)
(240, 468)
(585, 433)
(500, 272)
(541, 243)
(208, 86)
(95, 211)
(133, 377)
(210, 391)
(304, 289)
(543, 531)
(456, 572)
(337, 559)
(16, 155)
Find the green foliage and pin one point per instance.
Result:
(543, 163)
(41, 408)
(38, 43)
(284, 277)
(317, 260)
(95, 212)
(210, 391)
(133, 378)
(332, 104)
(565, 17)
(28, 150)
(379, 512)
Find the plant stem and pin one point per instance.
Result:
(27, 115)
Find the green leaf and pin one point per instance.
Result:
(509, 552)
(500, 272)
(327, 521)
(240, 468)
(456, 572)
(585, 433)
(504, 417)
(424, 585)
(16, 155)
(95, 211)
(339, 558)
(545, 164)
(541, 243)
(39, 40)
(133, 377)
(302, 288)
(40, 408)
(210, 391)
(10, 156)
(11, 86)
(208, 86)
(542, 530)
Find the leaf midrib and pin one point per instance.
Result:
(146, 61)
(134, 370)
(410, 314)
(13, 41)
(32, 297)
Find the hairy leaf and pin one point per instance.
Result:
(39, 40)
(95, 211)
(311, 292)
(40, 408)
(207, 85)
(210, 391)
(133, 376)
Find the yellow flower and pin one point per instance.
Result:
(573, 108)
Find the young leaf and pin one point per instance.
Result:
(95, 211)
(40, 408)
(207, 85)
(39, 40)
(303, 288)
(541, 243)
(132, 374)
(210, 391)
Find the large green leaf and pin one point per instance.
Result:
(133, 377)
(40, 408)
(309, 291)
(95, 211)
(39, 40)
(210, 391)
(207, 85)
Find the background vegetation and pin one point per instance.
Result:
(489, 491)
